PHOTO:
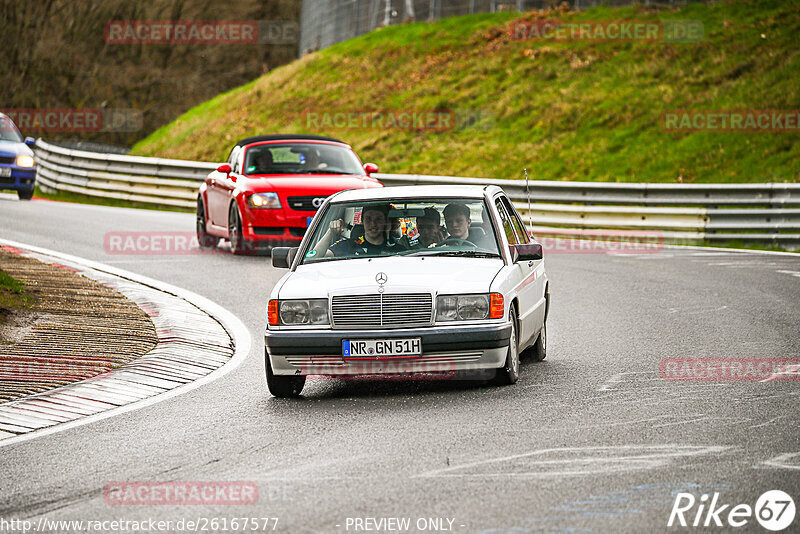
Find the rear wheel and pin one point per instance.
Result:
(25, 194)
(538, 351)
(206, 240)
(283, 386)
(236, 234)
(509, 373)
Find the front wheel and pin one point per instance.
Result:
(509, 373)
(236, 234)
(283, 386)
(25, 194)
(204, 239)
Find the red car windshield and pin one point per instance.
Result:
(301, 158)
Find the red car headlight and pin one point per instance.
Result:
(269, 201)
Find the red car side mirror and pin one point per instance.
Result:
(224, 168)
(370, 168)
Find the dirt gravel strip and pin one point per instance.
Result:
(77, 328)
(178, 342)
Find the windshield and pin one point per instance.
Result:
(301, 158)
(403, 227)
(8, 131)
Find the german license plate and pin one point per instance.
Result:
(381, 348)
(308, 221)
(5, 172)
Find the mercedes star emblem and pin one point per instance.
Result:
(381, 278)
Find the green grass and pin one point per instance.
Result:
(63, 196)
(565, 110)
(12, 297)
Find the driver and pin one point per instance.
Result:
(457, 221)
(374, 241)
(264, 161)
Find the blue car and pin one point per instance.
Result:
(17, 165)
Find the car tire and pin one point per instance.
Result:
(509, 373)
(204, 239)
(538, 351)
(284, 387)
(25, 195)
(238, 243)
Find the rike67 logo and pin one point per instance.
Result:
(774, 510)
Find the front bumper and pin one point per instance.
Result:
(280, 227)
(19, 179)
(444, 349)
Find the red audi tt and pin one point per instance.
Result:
(271, 187)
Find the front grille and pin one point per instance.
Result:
(382, 310)
(306, 203)
(297, 232)
(7, 180)
(7, 159)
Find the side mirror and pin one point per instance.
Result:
(30, 141)
(526, 252)
(282, 257)
(224, 168)
(370, 168)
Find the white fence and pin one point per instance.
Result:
(765, 213)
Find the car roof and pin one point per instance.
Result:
(286, 137)
(412, 191)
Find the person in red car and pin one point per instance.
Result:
(264, 162)
(373, 243)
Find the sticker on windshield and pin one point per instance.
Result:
(311, 253)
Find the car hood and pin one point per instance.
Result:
(440, 275)
(310, 183)
(13, 148)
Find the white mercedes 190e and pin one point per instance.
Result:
(408, 281)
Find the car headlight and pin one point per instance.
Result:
(24, 160)
(264, 201)
(462, 307)
(293, 312)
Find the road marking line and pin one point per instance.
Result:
(647, 456)
(767, 423)
(781, 461)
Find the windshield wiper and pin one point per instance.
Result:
(324, 171)
(467, 253)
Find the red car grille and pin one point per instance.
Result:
(306, 203)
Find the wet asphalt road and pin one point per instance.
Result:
(590, 440)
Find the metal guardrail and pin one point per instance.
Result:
(765, 213)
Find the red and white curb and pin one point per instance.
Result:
(198, 342)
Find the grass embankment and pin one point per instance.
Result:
(12, 299)
(572, 110)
